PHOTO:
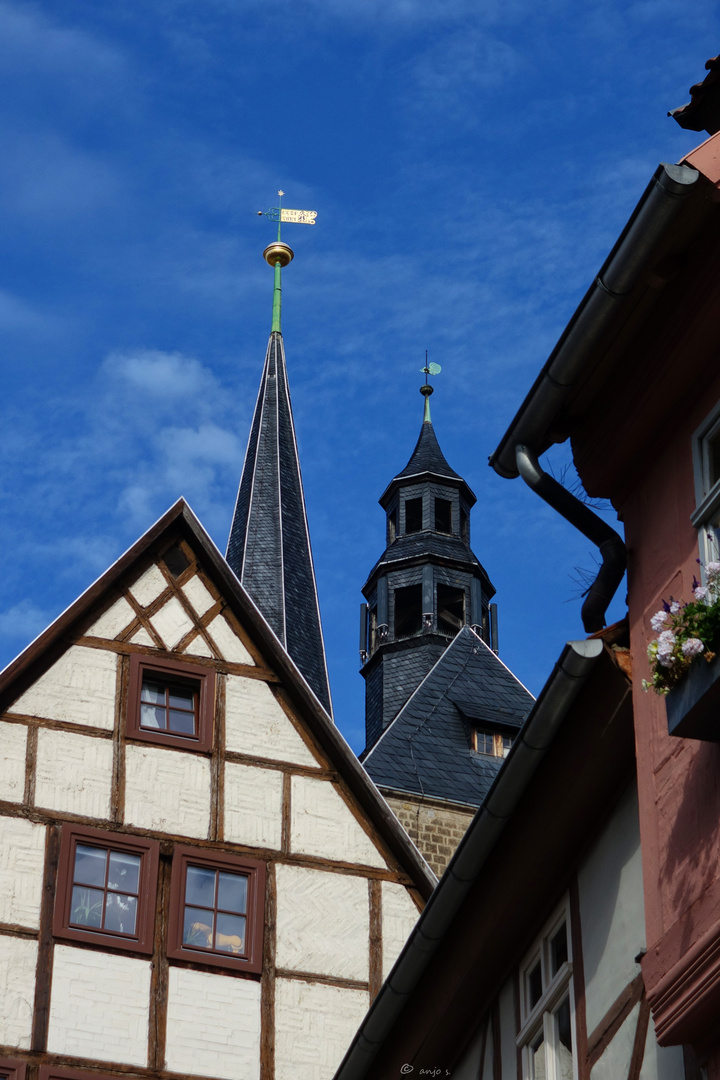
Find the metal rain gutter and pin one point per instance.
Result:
(465, 868)
(627, 262)
(610, 543)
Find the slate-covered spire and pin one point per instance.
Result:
(269, 545)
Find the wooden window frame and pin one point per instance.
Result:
(538, 1019)
(12, 1069)
(142, 665)
(149, 852)
(497, 737)
(215, 860)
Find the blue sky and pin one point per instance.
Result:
(471, 165)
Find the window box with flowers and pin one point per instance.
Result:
(684, 662)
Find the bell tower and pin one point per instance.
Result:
(427, 584)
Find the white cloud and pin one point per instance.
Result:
(23, 621)
(32, 43)
(164, 375)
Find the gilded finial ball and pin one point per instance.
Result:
(278, 253)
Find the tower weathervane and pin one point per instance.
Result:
(279, 254)
(426, 389)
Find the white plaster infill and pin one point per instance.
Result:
(79, 688)
(322, 824)
(323, 922)
(256, 724)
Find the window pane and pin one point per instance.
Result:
(713, 453)
(535, 985)
(538, 1059)
(181, 699)
(558, 950)
(153, 693)
(230, 933)
(563, 1042)
(121, 913)
(198, 928)
(90, 865)
(86, 906)
(232, 893)
(124, 872)
(182, 722)
(200, 886)
(152, 717)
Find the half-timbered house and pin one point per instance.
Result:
(197, 877)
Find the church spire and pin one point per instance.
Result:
(427, 585)
(269, 545)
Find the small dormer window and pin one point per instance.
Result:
(413, 515)
(492, 743)
(443, 516)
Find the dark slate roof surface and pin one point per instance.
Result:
(426, 749)
(269, 544)
(427, 456)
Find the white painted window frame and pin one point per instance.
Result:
(706, 515)
(540, 1019)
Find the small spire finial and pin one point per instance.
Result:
(426, 389)
(279, 254)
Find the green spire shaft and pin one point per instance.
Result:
(426, 411)
(277, 290)
(277, 298)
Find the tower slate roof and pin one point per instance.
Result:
(427, 456)
(427, 749)
(269, 545)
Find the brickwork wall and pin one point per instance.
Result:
(435, 829)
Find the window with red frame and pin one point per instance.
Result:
(10, 1069)
(171, 703)
(216, 909)
(106, 888)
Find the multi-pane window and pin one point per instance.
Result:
(216, 909)
(494, 743)
(171, 703)
(106, 888)
(546, 1038)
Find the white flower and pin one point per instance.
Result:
(701, 593)
(666, 638)
(658, 620)
(692, 647)
(674, 607)
(713, 568)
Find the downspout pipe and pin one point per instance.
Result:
(609, 543)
